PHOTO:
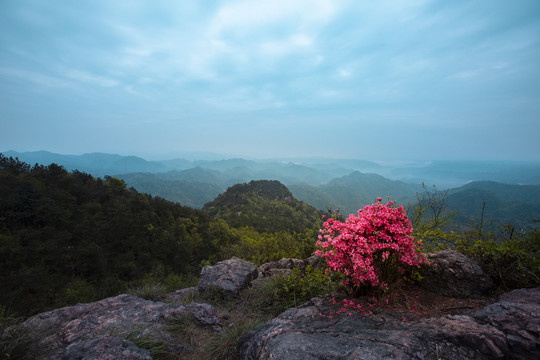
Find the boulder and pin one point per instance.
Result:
(454, 274)
(321, 330)
(84, 328)
(229, 276)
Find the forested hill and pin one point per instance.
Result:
(265, 205)
(352, 192)
(495, 204)
(68, 237)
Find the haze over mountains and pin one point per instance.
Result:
(510, 190)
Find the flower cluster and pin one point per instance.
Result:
(373, 247)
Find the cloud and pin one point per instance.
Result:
(291, 44)
(34, 77)
(245, 15)
(344, 73)
(260, 61)
(87, 78)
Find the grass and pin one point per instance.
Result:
(238, 315)
(19, 342)
(148, 290)
(224, 345)
(253, 307)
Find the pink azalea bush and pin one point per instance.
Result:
(374, 247)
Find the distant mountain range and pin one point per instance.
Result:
(509, 189)
(313, 171)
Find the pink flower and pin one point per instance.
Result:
(360, 245)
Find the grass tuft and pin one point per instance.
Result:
(224, 345)
(148, 290)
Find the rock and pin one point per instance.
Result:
(285, 266)
(229, 276)
(318, 330)
(179, 296)
(116, 317)
(282, 267)
(517, 315)
(105, 348)
(314, 261)
(454, 274)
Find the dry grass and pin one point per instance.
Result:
(237, 315)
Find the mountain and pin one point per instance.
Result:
(527, 194)
(186, 192)
(313, 171)
(96, 164)
(352, 192)
(324, 183)
(448, 174)
(196, 174)
(499, 204)
(266, 205)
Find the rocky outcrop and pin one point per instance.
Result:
(507, 329)
(517, 315)
(320, 329)
(105, 324)
(229, 276)
(285, 266)
(454, 274)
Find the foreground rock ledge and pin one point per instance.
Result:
(507, 329)
(97, 330)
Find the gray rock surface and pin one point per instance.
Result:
(229, 276)
(75, 327)
(507, 329)
(517, 314)
(286, 266)
(454, 274)
(283, 267)
(105, 348)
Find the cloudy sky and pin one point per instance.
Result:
(375, 80)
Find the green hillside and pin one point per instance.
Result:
(526, 194)
(68, 237)
(265, 205)
(495, 208)
(176, 187)
(352, 192)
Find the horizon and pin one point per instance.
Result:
(211, 157)
(270, 79)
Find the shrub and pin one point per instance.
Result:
(512, 261)
(285, 291)
(511, 258)
(260, 248)
(371, 248)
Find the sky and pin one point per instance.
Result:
(374, 80)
